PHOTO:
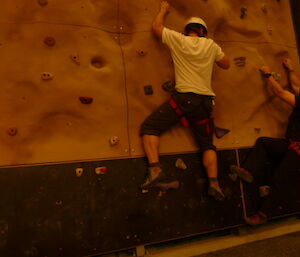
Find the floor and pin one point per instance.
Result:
(279, 238)
(282, 246)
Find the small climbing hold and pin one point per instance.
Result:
(243, 12)
(142, 52)
(59, 202)
(161, 193)
(114, 140)
(49, 41)
(264, 191)
(270, 30)
(257, 130)
(264, 8)
(166, 186)
(220, 132)
(75, 58)
(168, 86)
(86, 99)
(101, 170)
(276, 76)
(148, 90)
(12, 132)
(240, 61)
(79, 172)
(46, 76)
(145, 191)
(180, 164)
(43, 2)
(233, 176)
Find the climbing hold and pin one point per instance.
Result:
(142, 52)
(86, 99)
(59, 202)
(79, 172)
(270, 30)
(145, 191)
(276, 75)
(148, 90)
(75, 58)
(264, 191)
(257, 130)
(114, 140)
(43, 2)
(47, 76)
(240, 61)
(12, 132)
(264, 8)
(233, 176)
(168, 86)
(49, 41)
(101, 170)
(220, 132)
(166, 186)
(243, 12)
(97, 62)
(180, 164)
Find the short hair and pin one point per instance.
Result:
(194, 27)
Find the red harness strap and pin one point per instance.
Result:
(295, 146)
(206, 123)
(178, 112)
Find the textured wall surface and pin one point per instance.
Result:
(73, 75)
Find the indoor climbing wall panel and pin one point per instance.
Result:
(78, 78)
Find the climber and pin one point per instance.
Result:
(285, 150)
(194, 56)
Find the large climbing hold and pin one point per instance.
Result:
(221, 132)
(243, 12)
(43, 2)
(168, 86)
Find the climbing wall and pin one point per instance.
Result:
(74, 74)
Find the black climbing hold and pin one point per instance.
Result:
(148, 90)
(240, 61)
(220, 132)
(97, 62)
(49, 41)
(12, 132)
(86, 99)
(168, 86)
(43, 2)
(243, 12)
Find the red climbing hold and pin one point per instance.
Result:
(12, 132)
(49, 41)
(101, 170)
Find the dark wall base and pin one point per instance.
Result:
(52, 210)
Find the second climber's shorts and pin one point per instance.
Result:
(193, 108)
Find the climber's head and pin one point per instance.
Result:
(195, 26)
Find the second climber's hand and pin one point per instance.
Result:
(165, 6)
(287, 63)
(265, 69)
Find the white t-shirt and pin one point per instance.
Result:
(193, 59)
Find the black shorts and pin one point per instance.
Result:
(196, 109)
